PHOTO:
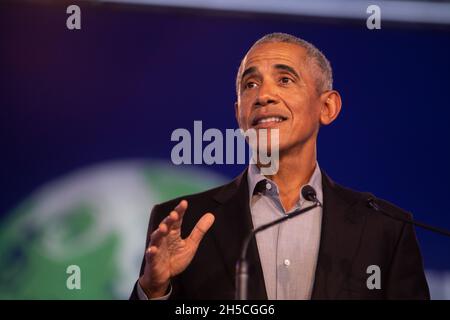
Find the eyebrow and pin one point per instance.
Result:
(283, 67)
(287, 68)
(249, 71)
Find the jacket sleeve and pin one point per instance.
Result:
(406, 277)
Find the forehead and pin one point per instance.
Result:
(274, 53)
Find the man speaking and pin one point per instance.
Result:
(329, 252)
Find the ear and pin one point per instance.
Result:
(330, 106)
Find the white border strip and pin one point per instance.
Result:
(400, 11)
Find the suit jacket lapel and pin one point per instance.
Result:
(233, 222)
(342, 228)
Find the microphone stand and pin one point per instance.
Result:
(242, 264)
(372, 204)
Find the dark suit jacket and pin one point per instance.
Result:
(353, 237)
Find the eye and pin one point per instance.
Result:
(250, 85)
(286, 80)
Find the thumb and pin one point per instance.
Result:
(201, 228)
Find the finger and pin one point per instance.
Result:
(150, 253)
(154, 254)
(158, 235)
(201, 228)
(170, 220)
(180, 209)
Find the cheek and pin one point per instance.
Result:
(245, 104)
(304, 113)
(299, 108)
(243, 115)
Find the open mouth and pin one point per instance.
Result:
(267, 121)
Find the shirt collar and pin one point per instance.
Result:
(254, 177)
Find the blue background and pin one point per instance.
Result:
(119, 87)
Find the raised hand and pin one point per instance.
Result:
(167, 253)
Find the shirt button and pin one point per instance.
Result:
(287, 262)
(268, 186)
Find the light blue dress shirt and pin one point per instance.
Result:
(288, 251)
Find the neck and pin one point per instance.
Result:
(295, 169)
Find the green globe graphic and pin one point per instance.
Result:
(95, 218)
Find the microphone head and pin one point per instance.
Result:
(309, 193)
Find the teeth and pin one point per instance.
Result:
(271, 119)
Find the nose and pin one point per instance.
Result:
(266, 95)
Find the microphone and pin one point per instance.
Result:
(309, 194)
(372, 204)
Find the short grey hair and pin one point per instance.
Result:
(321, 66)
